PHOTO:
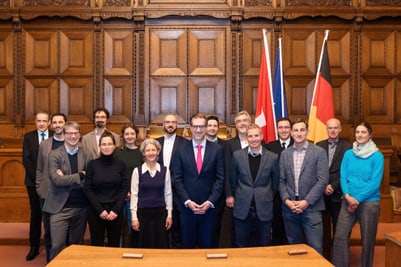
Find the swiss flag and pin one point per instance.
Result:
(264, 116)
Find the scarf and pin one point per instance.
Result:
(364, 150)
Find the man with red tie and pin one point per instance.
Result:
(198, 172)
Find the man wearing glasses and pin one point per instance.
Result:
(284, 141)
(198, 173)
(66, 202)
(90, 141)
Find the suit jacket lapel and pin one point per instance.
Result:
(263, 161)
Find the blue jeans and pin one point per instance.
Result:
(308, 223)
(252, 232)
(367, 214)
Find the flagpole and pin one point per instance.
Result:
(326, 36)
(266, 46)
(281, 77)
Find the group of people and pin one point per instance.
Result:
(174, 192)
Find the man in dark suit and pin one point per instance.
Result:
(170, 142)
(30, 150)
(212, 128)
(304, 174)
(284, 141)
(254, 178)
(66, 201)
(42, 171)
(335, 148)
(242, 120)
(198, 173)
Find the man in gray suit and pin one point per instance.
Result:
(42, 171)
(254, 178)
(90, 141)
(303, 178)
(66, 201)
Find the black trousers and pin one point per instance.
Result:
(98, 228)
(35, 221)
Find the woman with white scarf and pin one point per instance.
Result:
(361, 175)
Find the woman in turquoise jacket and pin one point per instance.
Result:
(361, 175)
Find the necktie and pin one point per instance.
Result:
(43, 136)
(199, 158)
(283, 145)
(332, 149)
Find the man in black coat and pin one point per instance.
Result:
(284, 134)
(170, 143)
(335, 147)
(30, 151)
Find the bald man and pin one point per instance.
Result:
(335, 148)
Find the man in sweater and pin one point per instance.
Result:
(66, 201)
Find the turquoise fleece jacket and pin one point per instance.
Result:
(361, 177)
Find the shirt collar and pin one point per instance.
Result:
(303, 147)
(203, 144)
(72, 152)
(259, 153)
(145, 167)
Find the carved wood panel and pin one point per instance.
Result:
(41, 53)
(380, 69)
(118, 52)
(187, 71)
(76, 53)
(65, 58)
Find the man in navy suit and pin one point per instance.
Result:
(335, 148)
(304, 174)
(284, 141)
(170, 142)
(30, 151)
(198, 172)
(254, 178)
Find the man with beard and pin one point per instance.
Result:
(170, 143)
(212, 128)
(42, 171)
(90, 141)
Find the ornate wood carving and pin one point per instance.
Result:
(4, 2)
(118, 3)
(43, 3)
(258, 2)
(336, 3)
(383, 2)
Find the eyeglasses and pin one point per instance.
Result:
(71, 133)
(198, 126)
(243, 120)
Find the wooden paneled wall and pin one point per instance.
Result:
(143, 58)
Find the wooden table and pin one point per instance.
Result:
(393, 249)
(88, 256)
